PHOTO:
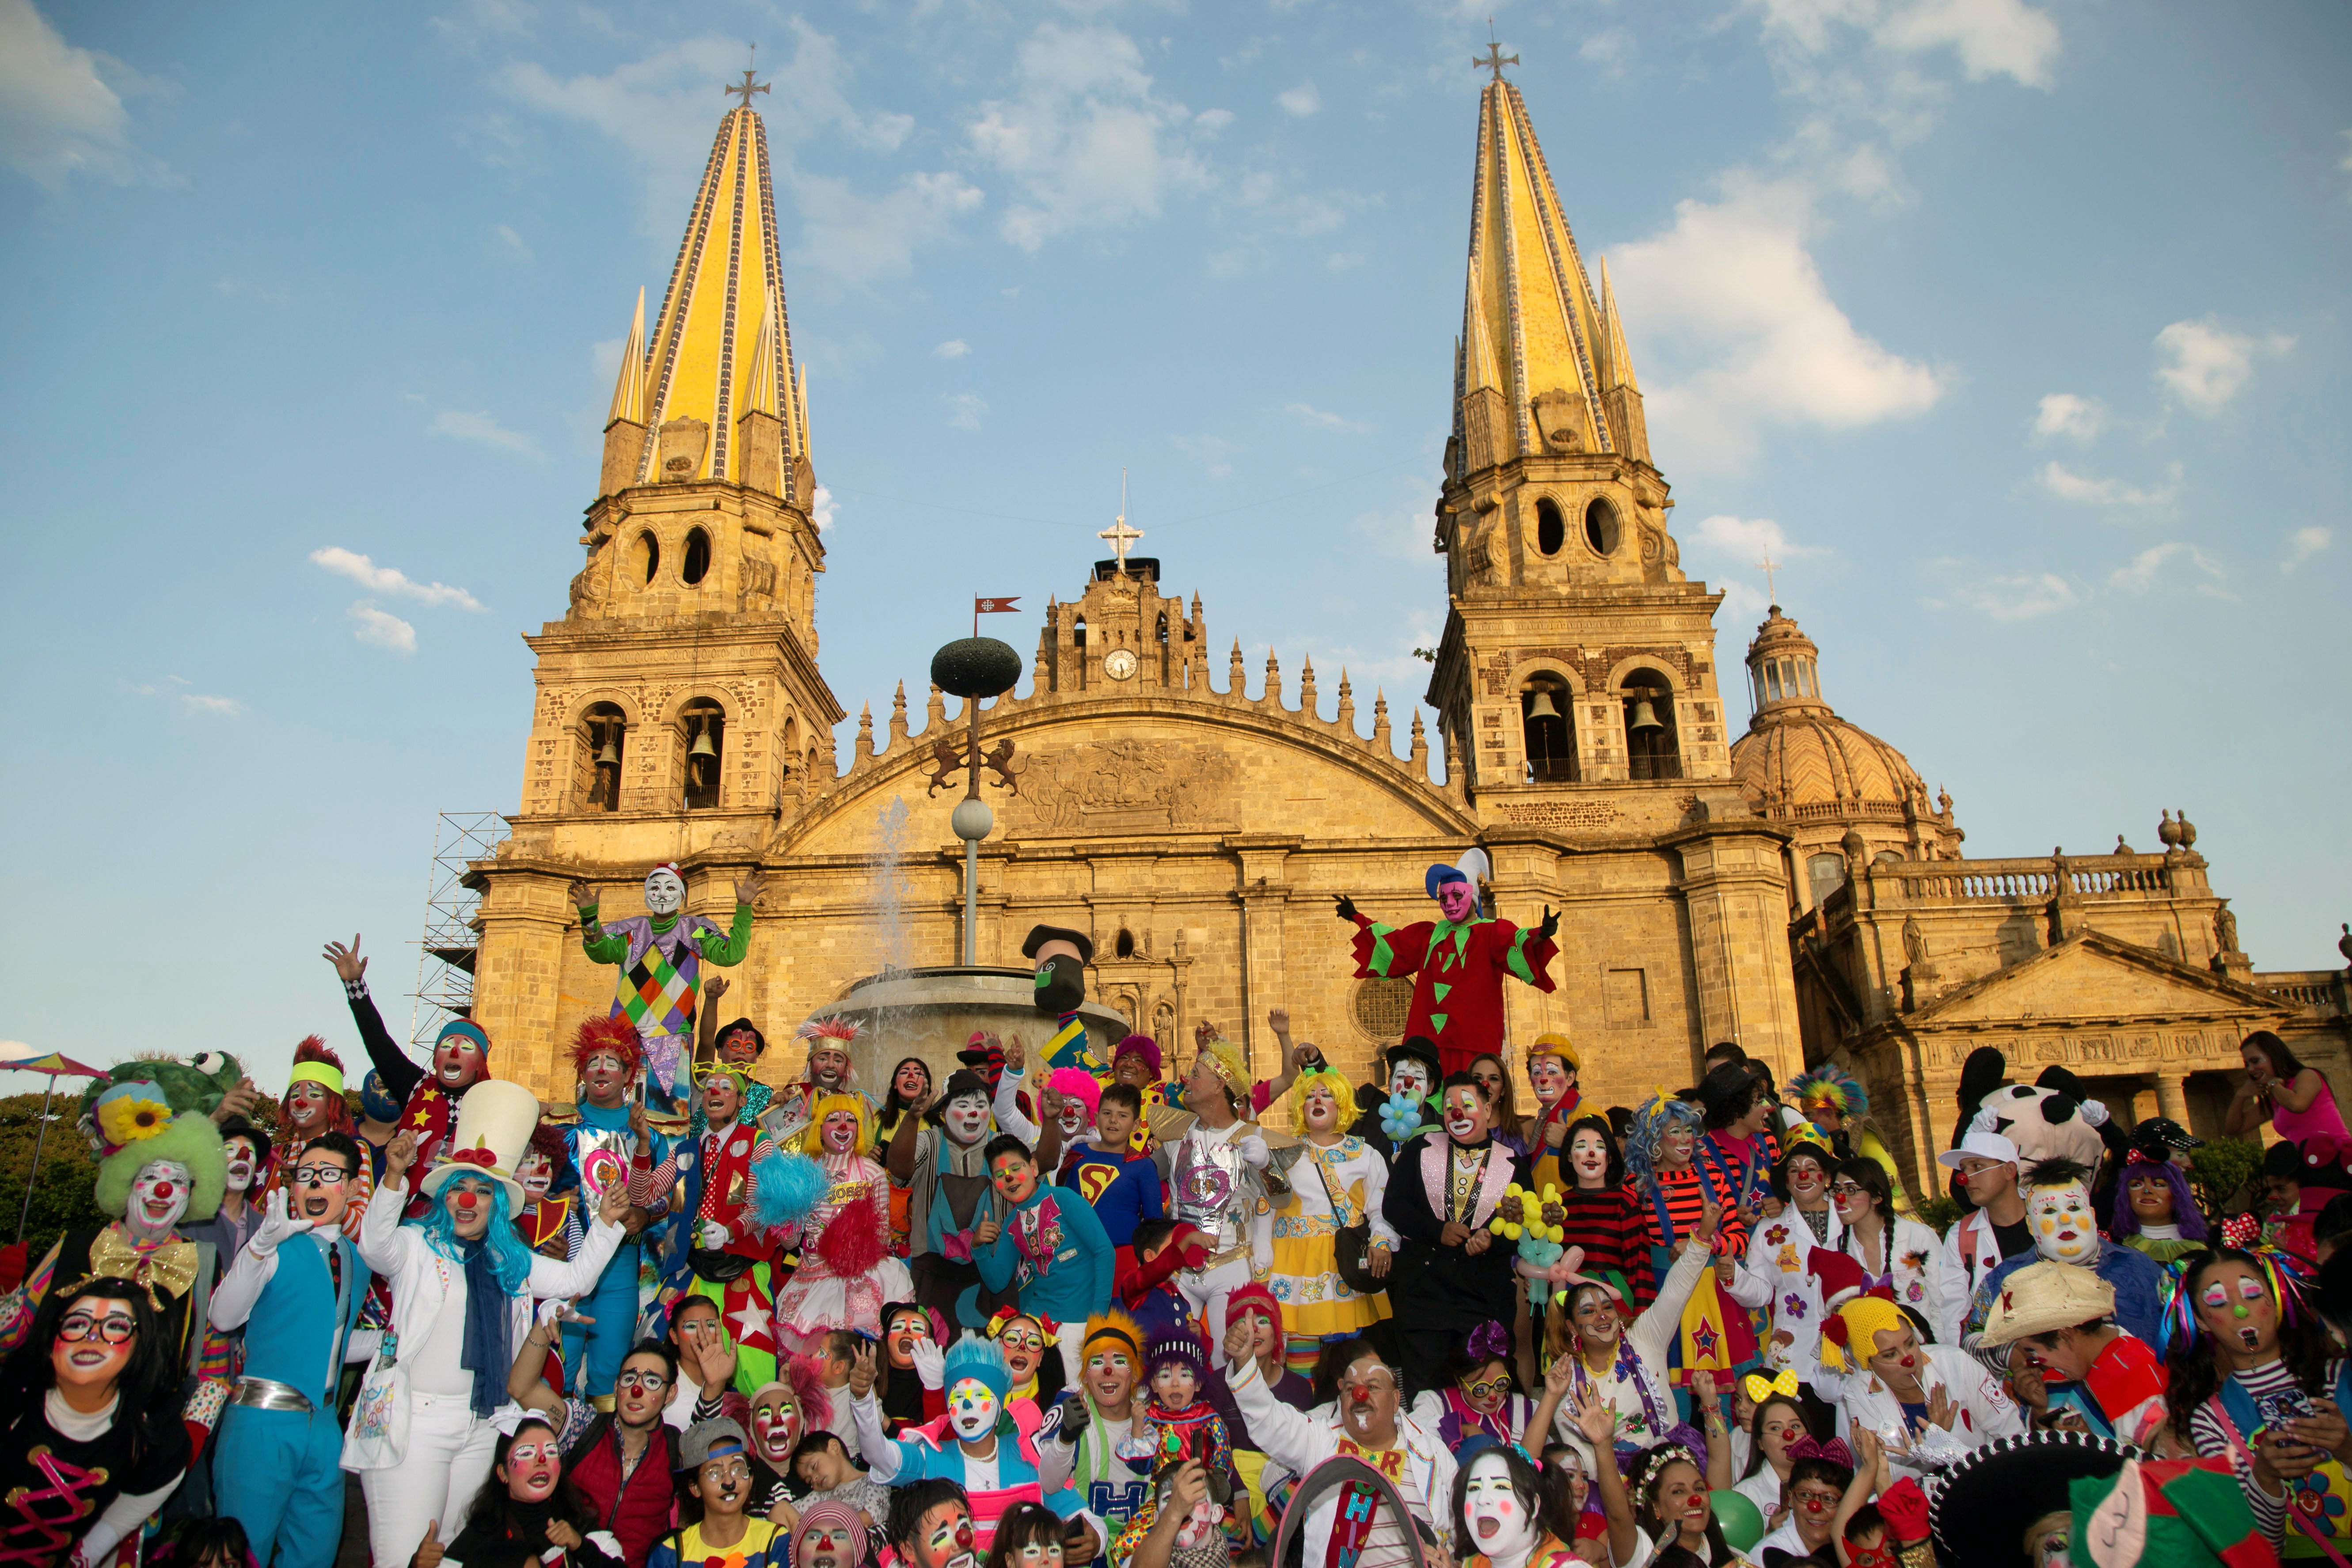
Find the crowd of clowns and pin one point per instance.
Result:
(1062, 1313)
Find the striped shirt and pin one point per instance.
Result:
(2211, 1434)
(1610, 1224)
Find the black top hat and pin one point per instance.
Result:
(1414, 1048)
(1040, 935)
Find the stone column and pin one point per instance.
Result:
(1734, 886)
(1264, 894)
(527, 923)
(2172, 1097)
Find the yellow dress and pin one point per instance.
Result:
(1316, 1304)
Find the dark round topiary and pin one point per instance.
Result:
(975, 667)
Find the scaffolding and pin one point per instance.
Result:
(445, 964)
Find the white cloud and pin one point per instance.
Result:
(2064, 413)
(2140, 574)
(2067, 485)
(1748, 540)
(1213, 453)
(58, 116)
(1212, 121)
(175, 689)
(1991, 38)
(1316, 418)
(513, 242)
(1299, 101)
(1734, 288)
(481, 427)
(2208, 365)
(821, 510)
(1610, 48)
(858, 238)
(2303, 544)
(2021, 597)
(379, 629)
(1085, 141)
(954, 348)
(390, 579)
(965, 409)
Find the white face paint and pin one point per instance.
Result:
(972, 1409)
(537, 1174)
(2063, 1230)
(966, 1118)
(663, 892)
(1588, 1156)
(1073, 1117)
(238, 1151)
(1499, 1522)
(1410, 1077)
(1322, 1108)
(159, 1196)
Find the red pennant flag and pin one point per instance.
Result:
(993, 606)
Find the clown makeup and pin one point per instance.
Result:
(724, 1483)
(2064, 1231)
(159, 1197)
(307, 1108)
(535, 1175)
(722, 1097)
(1852, 1200)
(1781, 1426)
(1073, 1118)
(966, 1118)
(456, 1061)
(1131, 1070)
(907, 1325)
(828, 1065)
(912, 1078)
(533, 1463)
(1173, 1385)
(238, 1151)
(1110, 1378)
(1489, 1073)
(1456, 900)
(1320, 1105)
(1588, 1157)
(1039, 1555)
(943, 1539)
(606, 1077)
(1674, 1146)
(1015, 1175)
(1114, 1125)
(663, 892)
(775, 1428)
(1592, 1312)
(738, 1048)
(319, 1188)
(1500, 1525)
(2150, 1196)
(972, 1409)
(840, 1133)
(1807, 1182)
(1409, 1075)
(1465, 1114)
(641, 1389)
(93, 1343)
(1897, 1358)
(2234, 1306)
(1023, 1344)
(1680, 1501)
(1550, 1078)
(1486, 1389)
(1368, 1397)
(2047, 1540)
(824, 1546)
(468, 1199)
(1262, 1340)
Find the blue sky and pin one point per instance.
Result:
(2016, 332)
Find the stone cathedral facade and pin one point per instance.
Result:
(1200, 831)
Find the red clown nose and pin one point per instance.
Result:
(163, 1189)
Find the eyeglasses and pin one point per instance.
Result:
(1847, 1189)
(79, 1326)
(1488, 1389)
(1021, 1340)
(1816, 1501)
(729, 1470)
(652, 1381)
(317, 1176)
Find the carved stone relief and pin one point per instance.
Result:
(1122, 787)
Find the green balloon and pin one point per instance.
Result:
(1743, 1525)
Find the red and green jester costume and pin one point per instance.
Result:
(1458, 967)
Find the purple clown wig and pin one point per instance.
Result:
(2185, 1212)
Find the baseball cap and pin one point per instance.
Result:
(706, 1440)
(1979, 1146)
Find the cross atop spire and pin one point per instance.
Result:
(1119, 535)
(1494, 59)
(747, 87)
(1768, 566)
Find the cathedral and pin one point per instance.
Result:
(1788, 887)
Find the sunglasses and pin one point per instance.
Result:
(317, 1176)
(81, 1326)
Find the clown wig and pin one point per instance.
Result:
(2123, 1222)
(802, 1384)
(1114, 1330)
(1142, 1046)
(812, 1139)
(614, 1035)
(1827, 1086)
(1076, 1083)
(509, 1259)
(831, 1035)
(326, 1072)
(1308, 1077)
(1850, 1333)
(974, 1357)
(192, 1141)
(1661, 1115)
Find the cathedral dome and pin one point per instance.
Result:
(1800, 763)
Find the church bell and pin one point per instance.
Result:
(1541, 707)
(702, 746)
(1644, 717)
(610, 757)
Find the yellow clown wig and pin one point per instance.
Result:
(1559, 1046)
(1224, 1060)
(812, 1139)
(1850, 1337)
(1326, 1075)
(1111, 1330)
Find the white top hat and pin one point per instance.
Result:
(494, 1122)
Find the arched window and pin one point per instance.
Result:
(1544, 707)
(706, 738)
(603, 732)
(1125, 945)
(1651, 748)
(697, 565)
(649, 555)
(1078, 632)
(1600, 526)
(1551, 528)
(1163, 628)
(1822, 875)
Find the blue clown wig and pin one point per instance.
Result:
(2121, 1222)
(509, 1259)
(974, 1357)
(1661, 1115)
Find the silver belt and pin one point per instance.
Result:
(260, 1394)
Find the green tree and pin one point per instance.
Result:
(62, 1197)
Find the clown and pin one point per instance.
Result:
(1061, 956)
(1215, 1179)
(930, 1526)
(1137, 1062)
(296, 1291)
(1551, 1073)
(1089, 1435)
(715, 1470)
(939, 1159)
(1175, 1423)
(722, 1245)
(1049, 1246)
(245, 1160)
(1337, 1180)
(549, 1222)
(1593, 1209)
(1477, 1396)
(985, 1444)
(2155, 1212)
(1022, 1337)
(314, 1103)
(846, 1271)
(1660, 1157)
(781, 1414)
(659, 955)
(2066, 1230)
(429, 1100)
(1406, 1104)
(1772, 1278)
(905, 1326)
(829, 1073)
(1446, 1190)
(1837, 1105)
(1929, 1403)
(1498, 1512)
(739, 1043)
(1457, 961)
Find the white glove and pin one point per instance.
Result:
(1253, 1150)
(931, 1361)
(276, 1224)
(713, 1235)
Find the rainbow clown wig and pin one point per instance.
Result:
(1826, 1088)
(812, 1139)
(978, 1359)
(1660, 1115)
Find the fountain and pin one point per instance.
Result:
(931, 1012)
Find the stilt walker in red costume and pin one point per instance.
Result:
(461, 1058)
(1458, 963)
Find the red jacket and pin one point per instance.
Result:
(640, 1511)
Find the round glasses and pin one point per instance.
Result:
(652, 1381)
(1488, 1389)
(81, 1326)
(317, 1176)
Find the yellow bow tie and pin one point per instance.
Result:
(170, 1267)
(1761, 1389)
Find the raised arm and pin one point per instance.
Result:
(1596, 1421)
(380, 1240)
(884, 1456)
(1282, 1434)
(1653, 1331)
(526, 1384)
(550, 1277)
(400, 1075)
(730, 948)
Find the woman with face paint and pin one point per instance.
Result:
(1672, 1507)
(530, 1508)
(930, 1526)
(90, 1437)
(1477, 1396)
(1498, 1513)
(1927, 1403)
(1412, 1084)
(2254, 1376)
(1773, 1278)
(2154, 1211)
(847, 1270)
(1337, 1180)
(1772, 1432)
(1716, 1335)
(429, 1098)
(1595, 1210)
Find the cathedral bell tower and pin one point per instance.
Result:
(679, 700)
(1576, 652)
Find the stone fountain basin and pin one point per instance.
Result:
(931, 1013)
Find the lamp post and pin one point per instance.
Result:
(974, 668)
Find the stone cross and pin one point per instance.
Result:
(745, 88)
(1119, 535)
(1768, 566)
(1494, 59)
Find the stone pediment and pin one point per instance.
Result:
(2095, 976)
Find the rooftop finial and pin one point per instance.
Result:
(1494, 59)
(1119, 535)
(1768, 566)
(747, 87)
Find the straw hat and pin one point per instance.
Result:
(2042, 1298)
(494, 1126)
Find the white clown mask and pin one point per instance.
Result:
(972, 1409)
(966, 1118)
(664, 891)
(1073, 1118)
(2064, 1228)
(1410, 1077)
(238, 1154)
(159, 1196)
(1500, 1525)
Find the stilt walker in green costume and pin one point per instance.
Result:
(660, 955)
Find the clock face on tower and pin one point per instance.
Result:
(1119, 663)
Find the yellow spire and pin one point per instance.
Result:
(1533, 333)
(726, 292)
(629, 386)
(1621, 363)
